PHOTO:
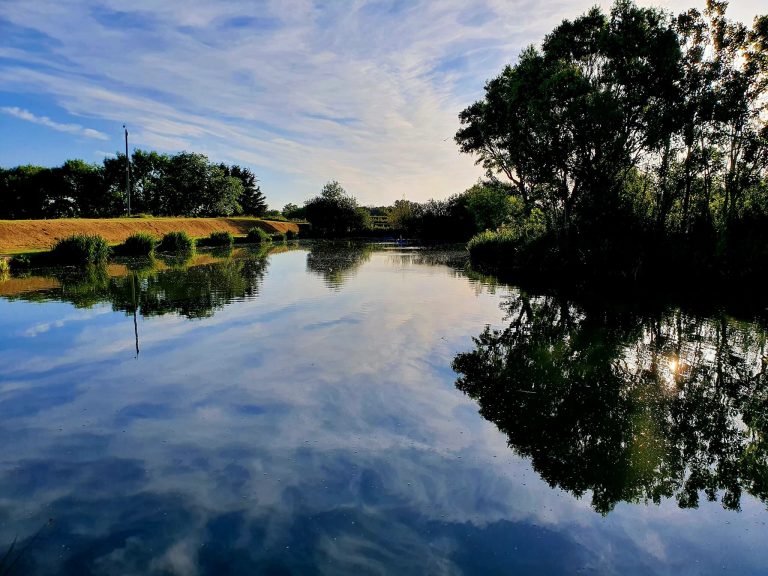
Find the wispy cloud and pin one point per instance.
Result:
(61, 127)
(364, 92)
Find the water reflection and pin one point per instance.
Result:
(626, 406)
(313, 431)
(337, 261)
(144, 288)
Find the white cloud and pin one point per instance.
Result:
(350, 91)
(45, 121)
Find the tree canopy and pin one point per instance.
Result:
(633, 124)
(335, 213)
(184, 184)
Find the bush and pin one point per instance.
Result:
(492, 246)
(279, 237)
(139, 244)
(291, 235)
(177, 242)
(258, 236)
(20, 263)
(80, 249)
(5, 268)
(220, 239)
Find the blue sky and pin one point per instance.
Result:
(364, 92)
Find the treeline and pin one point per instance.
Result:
(184, 184)
(636, 144)
(334, 213)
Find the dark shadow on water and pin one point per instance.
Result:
(625, 405)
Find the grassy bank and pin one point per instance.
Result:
(20, 236)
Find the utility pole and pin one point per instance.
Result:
(127, 171)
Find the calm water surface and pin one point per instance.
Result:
(345, 410)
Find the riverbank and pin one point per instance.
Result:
(19, 236)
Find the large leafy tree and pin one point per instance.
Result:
(567, 122)
(641, 138)
(185, 184)
(334, 212)
(252, 200)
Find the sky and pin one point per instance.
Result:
(364, 92)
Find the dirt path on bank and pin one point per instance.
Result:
(31, 235)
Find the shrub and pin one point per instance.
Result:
(139, 244)
(258, 236)
(279, 237)
(80, 249)
(291, 235)
(5, 268)
(492, 246)
(220, 239)
(177, 242)
(20, 263)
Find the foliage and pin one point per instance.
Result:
(139, 244)
(80, 249)
(291, 235)
(334, 213)
(252, 200)
(220, 239)
(258, 235)
(638, 136)
(294, 212)
(177, 242)
(184, 184)
(434, 220)
(274, 215)
(489, 205)
(20, 262)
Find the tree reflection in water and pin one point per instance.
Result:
(337, 261)
(191, 291)
(626, 406)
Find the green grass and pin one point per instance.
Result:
(80, 249)
(139, 244)
(258, 236)
(218, 239)
(177, 242)
(490, 246)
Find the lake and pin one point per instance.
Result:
(372, 409)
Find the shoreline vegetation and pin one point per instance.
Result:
(25, 236)
(641, 163)
(609, 162)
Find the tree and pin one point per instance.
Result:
(489, 205)
(293, 212)
(334, 212)
(567, 123)
(252, 200)
(401, 214)
(81, 191)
